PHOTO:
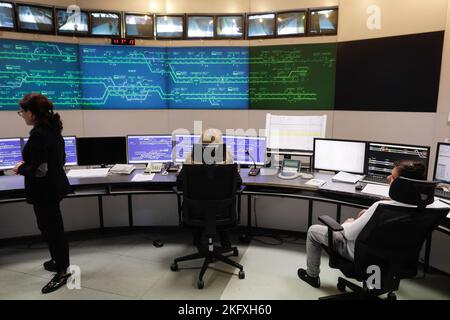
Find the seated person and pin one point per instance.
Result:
(345, 240)
(210, 135)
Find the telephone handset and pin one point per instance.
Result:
(290, 169)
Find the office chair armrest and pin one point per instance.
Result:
(178, 192)
(240, 190)
(331, 223)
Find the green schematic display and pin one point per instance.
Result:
(49, 68)
(294, 77)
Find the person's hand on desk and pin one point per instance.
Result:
(17, 166)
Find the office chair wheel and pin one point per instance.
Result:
(200, 284)
(391, 296)
(174, 267)
(241, 274)
(341, 286)
(235, 252)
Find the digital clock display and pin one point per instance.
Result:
(123, 42)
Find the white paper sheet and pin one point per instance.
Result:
(140, 177)
(88, 173)
(377, 189)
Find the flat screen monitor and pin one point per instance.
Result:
(247, 149)
(72, 22)
(7, 21)
(323, 21)
(105, 24)
(35, 18)
(291, 23)
(261, 25)
(229, 26)
(209, 153)
(442, 164)
(10, 152)
(340, 155)
(200, 27)
(169, 26)
(139, 25)
(183, 146)
(101, 151)
(70, 146)
(144, 149)
(382, 156)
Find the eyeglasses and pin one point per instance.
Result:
(20, 113)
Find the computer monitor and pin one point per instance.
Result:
(72, 22)
(239, 145)
(139, 25)
(291, 23)
(10, 152)
(144, 149)
(105, 24)
(183, 146)
(261, 25)
(442, 163)
(230, 26)
(7, 20)
(339, 155)
(169, 27)
(34, 18)
(209, 153)
(70, 146)
(323, 21)
(381, 157)
(101, 151)
(200, 26)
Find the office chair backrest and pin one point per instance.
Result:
(393, 237)
(209, 188)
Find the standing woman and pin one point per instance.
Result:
(46, 182)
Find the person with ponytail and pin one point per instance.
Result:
(46, 183)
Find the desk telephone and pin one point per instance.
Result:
(291, 170)
(154, 167)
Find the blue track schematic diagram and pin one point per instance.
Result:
(30, 66)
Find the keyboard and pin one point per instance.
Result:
(375, 180)
(442, 194)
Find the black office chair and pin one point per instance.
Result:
(209, 205)
(391, 240)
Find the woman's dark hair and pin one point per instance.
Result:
(411, 169)
(42, 109)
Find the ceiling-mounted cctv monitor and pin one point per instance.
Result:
(291, 23)
(200, 26)
(170, 27)
(72, 22)
(230, 26)
(36, 19)
(323, 21)
(7, 16)
(105, 24)
(261, 25)
(139, 25)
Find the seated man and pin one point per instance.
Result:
(210, 136)
(345, 240)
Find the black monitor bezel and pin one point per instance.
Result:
(71, 33)
(149, 135)
(341, 140)
(439, 144)
(293, 35)
(106, 164)
(274, 29)
(182, 37)
(20, 29)
(91, 25)
(152, 37)
(14, 17)
(228, 37)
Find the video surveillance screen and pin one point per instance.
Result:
(105, 24)
(6, 15)
(200, 27)
(72, 21)
(169, 26)
(291, 23)
(139, 25)
(324, 22)
(261, 25)
(33, 18)
(229, 26)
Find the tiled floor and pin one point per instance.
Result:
(128, 266)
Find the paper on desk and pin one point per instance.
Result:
(140, 177)
(377, 189)
(347, 177)
(88, 173)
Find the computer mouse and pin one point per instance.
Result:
(359, 186)
(158, 243)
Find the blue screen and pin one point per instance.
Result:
(183, 146)
(256, 147)
(49, 68)
(207, 78)
(123, 77)
(10, 153)
(70, 146)
(143, 149)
